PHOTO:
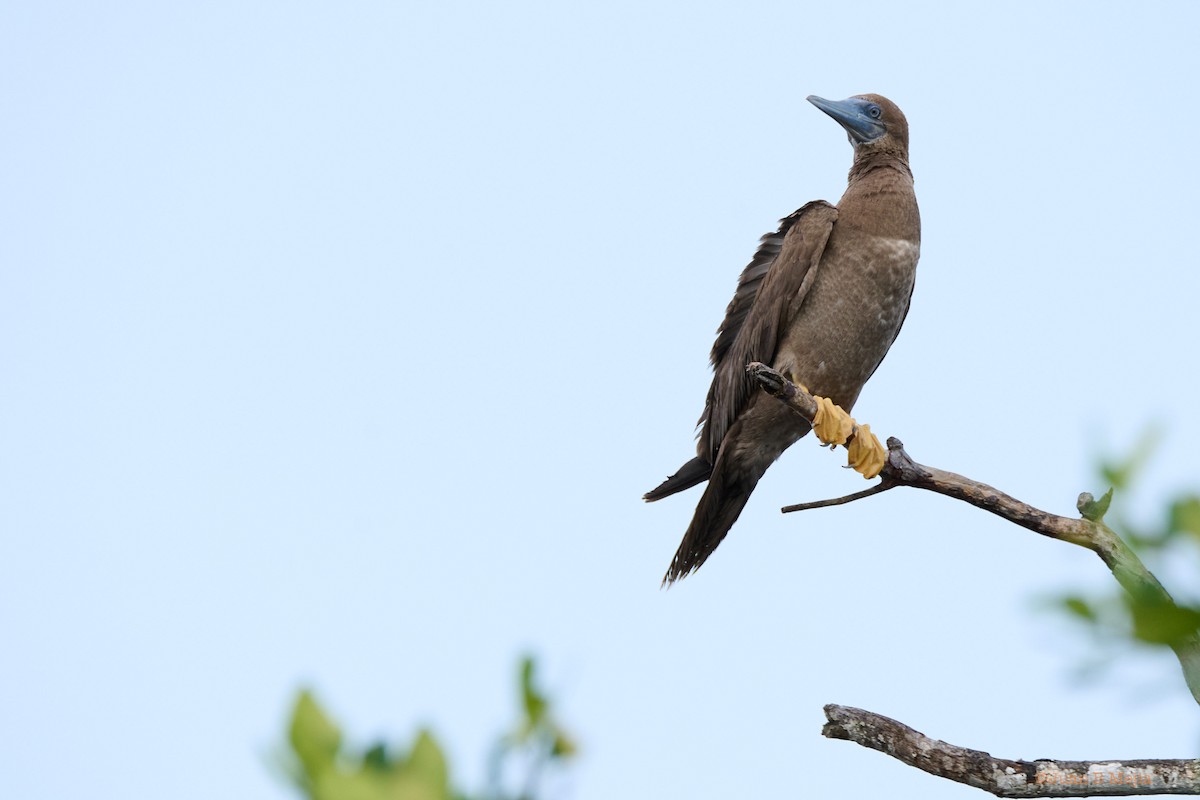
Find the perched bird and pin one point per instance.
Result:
(821, 301)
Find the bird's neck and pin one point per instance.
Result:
(866, 162)
(880, 199)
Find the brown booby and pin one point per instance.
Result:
(821, 301)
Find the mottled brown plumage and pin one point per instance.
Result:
(822, 300)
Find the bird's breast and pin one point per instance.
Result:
(851, 315)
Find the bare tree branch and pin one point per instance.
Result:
(882, 486)
(1003, 778)
(1087, 531)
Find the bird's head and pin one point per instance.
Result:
(871, 121)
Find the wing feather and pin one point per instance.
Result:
(769, 292)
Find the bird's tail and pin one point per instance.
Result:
(695, 471)
(728, 489)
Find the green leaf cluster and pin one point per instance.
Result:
(324, 767)
(539, 728)
(1114, 615)
(327, 770)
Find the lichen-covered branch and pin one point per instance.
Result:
(1087, 530)
(1004, 778)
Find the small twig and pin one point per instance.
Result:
(882, 486)
(1088, 531)
(1004, 778)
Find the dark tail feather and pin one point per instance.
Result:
(723, 500)
(695, 471)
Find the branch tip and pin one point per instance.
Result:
(882, 486)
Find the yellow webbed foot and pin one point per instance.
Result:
(866, 454)
(831, 424)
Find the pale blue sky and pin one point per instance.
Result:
(339, 342)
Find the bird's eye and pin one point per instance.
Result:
(874, 111)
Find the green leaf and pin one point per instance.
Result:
(1163, 623)
(357, 785)
(1184, 516)
(376, 758)
(1080, 608)
(314, 737)
(1093, 509)
(426, 765)
(534, 701)
(563, 747)
(408, 787)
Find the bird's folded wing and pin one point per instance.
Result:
(769, 293)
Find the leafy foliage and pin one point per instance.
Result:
(323, 767)
(1115, 616)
